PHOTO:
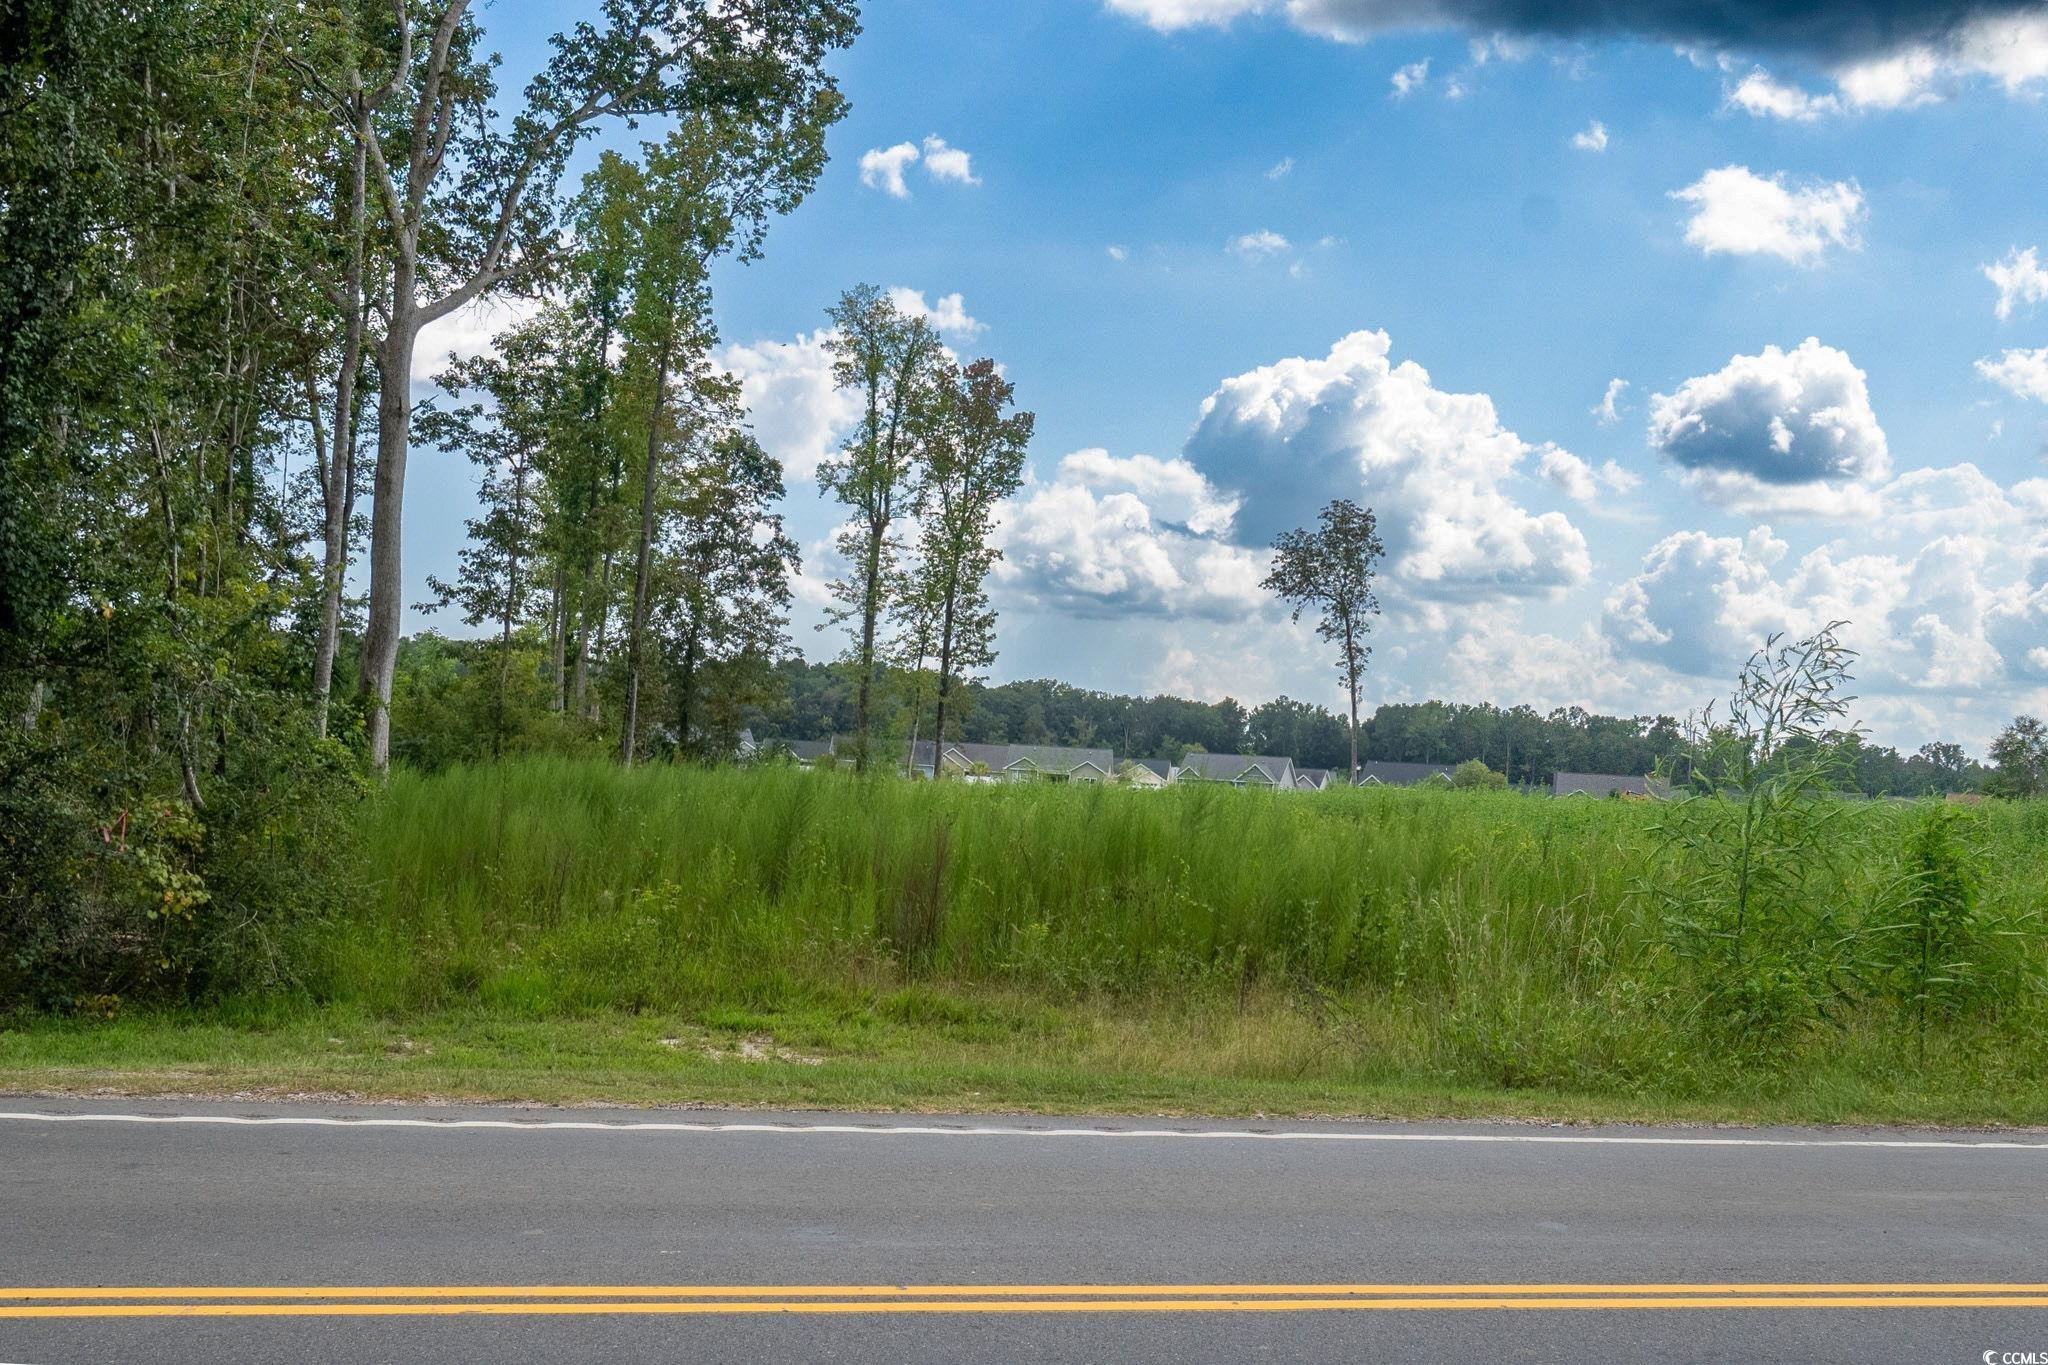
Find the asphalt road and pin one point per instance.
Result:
(701, 1237)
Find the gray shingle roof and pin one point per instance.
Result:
(1316, 778)
(1597, 784)
(1400, 774)
(1001, 758)
(1251, 769)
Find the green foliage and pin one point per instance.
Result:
(2020, 754)
(1752, 882)
(108, 894)
(1932, 957)
(1472, 775)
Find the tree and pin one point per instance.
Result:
(504, 443)
(1473, 775)
(723, 576)
(467, 202)
(1331, 569)
(973, 459)
(2020, 754)
(887, 358)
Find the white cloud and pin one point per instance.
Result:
(2020, 278)
(471, 330)
(1123, 537)
(943, 162)
(1280, 168)
(1117, 253)
(1410, 78)
(1761, 96)
(1608, 409)
(1783, 431)
(1579, 480)
(2024, 374)
(949, 315)
(1169, 15)
(1433, 465)
(1960, 616)
(1256, 246)
(1593, 139)
(797, 412)
(881, 168)
(1744, 214)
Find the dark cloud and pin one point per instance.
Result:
(1824, 31)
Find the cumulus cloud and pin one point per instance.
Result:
(884, 168)
(2024, 374)
(1173, 490)
(949, 315)
(943, 162)
(1744, 214)
(1410, 78)
(1113, 536)
(1437, 467)
(1592, 139)
(2019, 279)
(881, 168)
(1785, 431)
(1961, 615)
(1760, 95)
(1964, 31)
(1256, 246)
(797, 412)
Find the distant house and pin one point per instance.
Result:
(806, 753)
(1150, 773)
(1401, 774)
(1603, 785)
(1239, 770)
(1311, 779)
(748, 749)
(1015, 762)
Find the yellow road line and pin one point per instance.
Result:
(1164, 1305)
(910, 1291)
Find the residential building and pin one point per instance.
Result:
(1239, 770)
(1401, 774)
(1016, 762)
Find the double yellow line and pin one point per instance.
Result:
(226, 1301)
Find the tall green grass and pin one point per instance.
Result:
(1485, 937)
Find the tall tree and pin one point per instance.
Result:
(2020, 754)
(468, 200)
(1331, 568)
(723, 577)
(503, 441)
(973, 459)
(887, 358)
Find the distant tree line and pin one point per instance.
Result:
(1520, 742)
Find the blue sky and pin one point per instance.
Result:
(1179, 224)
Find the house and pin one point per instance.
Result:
(805, 753)
(1603, 784)
(1015, 762)
(748, 749)
(1311, 779)
(1401, 774)
(1148, 773)
(1239, 770)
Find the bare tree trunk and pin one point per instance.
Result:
(643, 563)
(871, 606)
(394, 435)
(558, 632)
(338, 467)
(945, 676)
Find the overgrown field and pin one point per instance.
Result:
(558, 929)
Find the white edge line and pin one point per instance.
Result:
(991, 1130)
